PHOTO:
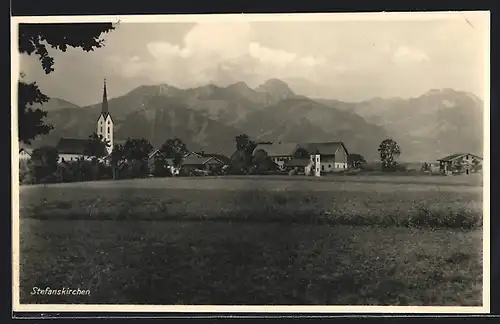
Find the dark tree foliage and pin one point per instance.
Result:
(356, 160)
(31, 120)
(160, 166)
(96, 146)
(137, 149)
(389, 152)
(136, 152)
(242, 161)
(34, 40)
(43, 163)
(175, 149)
(262, 162)
(117, 156)
(301, 153)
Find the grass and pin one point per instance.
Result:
(190, 241)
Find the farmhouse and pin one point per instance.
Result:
(332, 156)
(279, 152)
(222, 158)
(461, 163)
(300, 165)
(25, 154)
(204, 163)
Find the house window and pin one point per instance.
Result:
(322, 168)
(101, 129)
(108, 129)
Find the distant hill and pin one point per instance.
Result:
(55, 104)
(209, 117)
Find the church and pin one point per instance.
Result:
(72, 149)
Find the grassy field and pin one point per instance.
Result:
(249, 241)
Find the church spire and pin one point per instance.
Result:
(105, 100)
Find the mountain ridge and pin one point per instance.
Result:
(272, 111)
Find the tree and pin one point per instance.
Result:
(34, 39)
(96, 148)
(30, 121)
(262, 162)
(245, 148)
(160, 166)
(389, 152)
(117, 156)
(174, 149)
(43, 163)
(356, 160)
(137, 151)
(301, 153)
(242, 141)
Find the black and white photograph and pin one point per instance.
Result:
(258, 162)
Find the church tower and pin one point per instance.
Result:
(105, 122)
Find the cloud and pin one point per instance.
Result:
(405, 54)
(209, 49)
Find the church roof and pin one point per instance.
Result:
(74, 146)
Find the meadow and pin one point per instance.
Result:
(255, 240)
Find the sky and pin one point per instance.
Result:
(347, 59)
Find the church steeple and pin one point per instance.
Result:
(105, 122)
(104, 100)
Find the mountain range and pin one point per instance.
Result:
(438, 123)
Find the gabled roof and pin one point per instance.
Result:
(296, 162)
(456, 156)
(105, 115)
(221, 158)
(192, 154)
(74, 146)
(194, 160)
(325, 148)
(27, 150)
(153, 153)
(277, 149)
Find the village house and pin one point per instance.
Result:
(25, 154)
(222, 158)
(461, 163)
(278, 152)
(174, 170)
(192, 163)
(333, 155)
(327, 156)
